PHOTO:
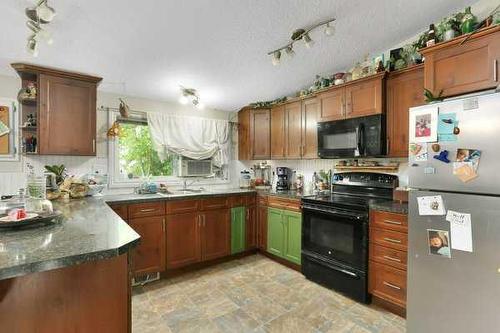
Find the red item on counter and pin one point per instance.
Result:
(17, 214)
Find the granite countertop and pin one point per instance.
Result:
(89, 230)
(283, 194)
(390, 206)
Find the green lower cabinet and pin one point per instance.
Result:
(284, 236)
(238, 229)
(275, 232)
(293, 236)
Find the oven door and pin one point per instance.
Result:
(336, 234)
(356, 137)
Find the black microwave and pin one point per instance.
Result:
(356, 137)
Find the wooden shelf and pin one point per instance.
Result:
(28, 128)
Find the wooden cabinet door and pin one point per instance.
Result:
(364, 98)
(251, 227)
(183, 239)
(293, 236)
(260, 134)
(215, 234)
(149, 255)
(293, 130)
(310, 109)
(67, 116)
(332, 104)
(244, 135)
(238, 219)
(275, 232)
(262, 227)
(458, 69)
(278, 132)
(404, 90)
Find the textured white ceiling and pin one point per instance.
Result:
(216, 46)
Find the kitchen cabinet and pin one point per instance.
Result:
(65, 108)
(251, 227)
(260, 134)
(456, 69)
(359, 98)
(310, 109)
(284, 234)
(278, 132)
(404, 90)
(238, 217)
(215, 234)
(262, 222)
(244, 134)
(293, 130)
(183, 240)
(388, 247)
(149, 255)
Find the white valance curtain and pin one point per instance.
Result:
(196, 138)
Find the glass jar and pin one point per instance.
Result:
(245, 178)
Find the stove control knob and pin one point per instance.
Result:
(329, 252)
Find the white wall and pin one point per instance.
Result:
(12, 176)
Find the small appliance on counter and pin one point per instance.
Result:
(284, 175)
(263, 175)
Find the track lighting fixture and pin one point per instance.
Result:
(190, 95)
(301, 34)
(39, 15)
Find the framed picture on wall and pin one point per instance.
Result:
(423, 125)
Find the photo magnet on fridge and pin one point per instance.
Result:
(466, 164)
(439, 242)
(431, 205)
(424, 125)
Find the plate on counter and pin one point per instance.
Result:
(30, 219)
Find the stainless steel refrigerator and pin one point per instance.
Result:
(460, 293)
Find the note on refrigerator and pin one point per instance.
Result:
(431, 205)
(460, 230)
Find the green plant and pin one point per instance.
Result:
(59, 171)
(430, 98)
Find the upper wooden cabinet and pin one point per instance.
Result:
(65, 109)
(310, 110)
(404, 90)
(455, 68)
(278, 132)
(254, 134)
(244, 134)
(359, 98)
(293, 130)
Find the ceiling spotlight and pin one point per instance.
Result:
(39, 33)
(44, 12)
(32, 46)
(308, 41)
(329, 30)
(301, 34)
(276, 58)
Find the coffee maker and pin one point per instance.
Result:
(284, 175)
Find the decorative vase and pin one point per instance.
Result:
(468, 21)
(449, 34)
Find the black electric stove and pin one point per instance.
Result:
(335, 231)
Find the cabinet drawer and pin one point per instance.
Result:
(284, 203)
(237, 201)
(182, 206)
(121, 210)
(384, 255)
(215, 203)
(390, 221)
(251, 199)
(391, 239)
(154, 208)
(387, 283)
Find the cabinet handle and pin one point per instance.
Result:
(145, 210)
(392, 240)
(392, 259)
(93, 145)
(393, 286)
(393, 222)
(495, 70)
(163, 225)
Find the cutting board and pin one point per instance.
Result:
(4, 139)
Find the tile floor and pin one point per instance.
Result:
(252, 294)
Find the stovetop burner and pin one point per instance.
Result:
(343, 200)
